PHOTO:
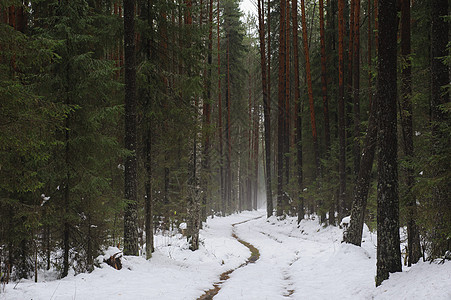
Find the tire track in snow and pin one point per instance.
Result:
(289, 283)
(255, 255)
(289, 290)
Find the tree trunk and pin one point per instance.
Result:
(221, 159)
(370, 46)
(342, 210)
(310, 90)
(130, 210)
(331, 77)
(286, 139)
(207, 118)
(439, 117)
(353, 234)
(250, 141)
(356, 89)
(266, 104)
(388, 251)
(348, 81)
(66, 230)
(256, 138)
(414, 251)
(229, 133)
(298, 114)
(324, 77)
(281, 109)
(148, 203)
(267, 124)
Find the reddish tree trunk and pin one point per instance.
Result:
(310, 90)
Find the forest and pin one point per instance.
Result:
(121, 121)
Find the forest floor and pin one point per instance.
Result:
(290, 261)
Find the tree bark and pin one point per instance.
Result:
(207, 118)
(130, 210)
(228, 132)
(439, 117)
(388, 249)
(356, 84)
(414, 251)
(353, 234)
(298, 114)
(266, 104)
(286, 133)
(221, 155)
(281, 109)
(310, 91)
(256, 138)
(370, 46)
(324, 77)
(148, 203)
(342, 210)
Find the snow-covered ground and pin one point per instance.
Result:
(303, 261)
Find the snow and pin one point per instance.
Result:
(345, 221)
(305, 261)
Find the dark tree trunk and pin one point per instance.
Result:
(353, 234)
(266, 105)
(281, 110)
(348, 83)
(148, 203)
(370, 46)
(66, 230)
(228, 132)
(47, 246)
(324, 77)
(414, 251)
(439, 117)
(310, 91)
(286, 131)
(267, 118)
(130, 211)
(193, 204)
(256, 139)
(388, 249)
(298, 115)
(207, 116)
(342, 211)
(330, 78)
(250, 141)
(356, 89)
(89, 250)
(221, 159)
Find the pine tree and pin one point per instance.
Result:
(341, 116)
(388, 249)
(414, 251)
(131, 210)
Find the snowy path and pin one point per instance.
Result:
(254, 256)
(303, 261)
